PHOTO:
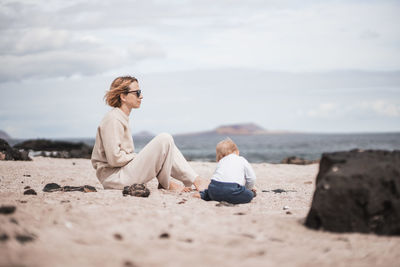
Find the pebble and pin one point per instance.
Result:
(285, 207)
(7, 209)
(164, 235)
(24, 238)
(118, 236)
(30, 192)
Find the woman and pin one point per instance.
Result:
(113, 154)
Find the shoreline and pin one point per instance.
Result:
(104, 228)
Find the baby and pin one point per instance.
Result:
(234, 178)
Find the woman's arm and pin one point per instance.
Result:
(112, 134)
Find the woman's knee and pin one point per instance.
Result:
(164, 138)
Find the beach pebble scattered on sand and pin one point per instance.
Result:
(7, 209)
(4, 237)
(164, 235)
(118, 236)
(30, 192)
(23, 238)
(285, 207)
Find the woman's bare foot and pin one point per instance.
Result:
(174, 186)
(201, 183)
(186, 189)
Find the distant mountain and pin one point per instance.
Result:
(240, 129)
(144, 134)
(237, 129)
(4, 135)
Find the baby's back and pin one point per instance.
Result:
(231, 169)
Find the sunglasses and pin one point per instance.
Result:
(138, 92)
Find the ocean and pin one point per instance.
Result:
(275, 147)
(271, 148)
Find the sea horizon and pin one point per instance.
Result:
(269, 148)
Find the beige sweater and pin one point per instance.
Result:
(114, 146)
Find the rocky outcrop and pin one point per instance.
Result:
(239, 129)
(357, 191)
(57, 149)
(9, 153)
(297, 161)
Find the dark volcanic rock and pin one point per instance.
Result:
(3, 237)
(23, 238)
(357, 191)
(298, 161)
(137, 190)
(58, 149)
(52, 187)
(30, 192)
(9, 153)
(7, 209)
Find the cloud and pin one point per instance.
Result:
(323, 110)
(91, 37)
(45, 52)
(361, 109)
(382, 107)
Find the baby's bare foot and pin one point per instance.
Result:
(201, 183)
(196, 195)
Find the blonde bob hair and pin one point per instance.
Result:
(224, 148)
(119, 86)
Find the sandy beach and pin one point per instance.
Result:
(104, 228)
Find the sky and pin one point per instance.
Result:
(304, 66)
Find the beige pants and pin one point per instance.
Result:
(160, 158)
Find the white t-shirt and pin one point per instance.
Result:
(235, 169)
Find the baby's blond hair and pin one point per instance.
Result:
(224, 148)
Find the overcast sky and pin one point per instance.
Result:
(313, 66)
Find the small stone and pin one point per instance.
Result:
(24, 238)
(278, 191)
(285, 207)
(182, 201)
(27, 175)
(30, 192)
(4, 237)
(239, 213)
(73, 163)
(164, 236)
(129, 264)
(136, 190)
(27, 187)
(118, 236)
(51, 187)
(288, 212)
(7, 209)
(89, 188)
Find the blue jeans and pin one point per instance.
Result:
(229, 192)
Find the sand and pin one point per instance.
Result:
(171, 229)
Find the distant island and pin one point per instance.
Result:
(236, 129)
(4, 135)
